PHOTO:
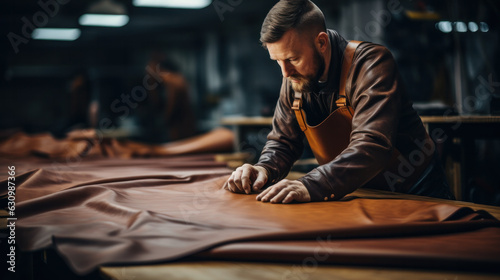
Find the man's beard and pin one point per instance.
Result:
(307, 84)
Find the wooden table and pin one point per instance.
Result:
(456, 136)
(460, 119)
(258, 271)
(243, 126)
(221, 270)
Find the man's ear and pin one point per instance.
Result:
(322, 41)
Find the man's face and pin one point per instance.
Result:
(299, 60)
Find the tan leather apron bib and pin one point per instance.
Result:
(329, 138)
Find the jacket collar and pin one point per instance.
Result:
(338, 45)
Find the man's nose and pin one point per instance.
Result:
(286, 69)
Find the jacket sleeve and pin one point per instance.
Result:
(374, 90)
(285, 141)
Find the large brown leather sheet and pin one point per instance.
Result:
(115, 211)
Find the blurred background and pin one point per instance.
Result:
(61, 69)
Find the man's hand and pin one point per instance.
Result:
(246, 178)
(285, 191)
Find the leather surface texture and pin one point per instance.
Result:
(136, 211)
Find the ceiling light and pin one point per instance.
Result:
(180, 4)
(484, 27)
(460, 26)
(473, 27)
(444, 26)
(57, 34)
(103, 20)
(105, 13)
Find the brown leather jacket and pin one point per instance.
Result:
(383, 119)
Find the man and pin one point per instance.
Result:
(310, 58)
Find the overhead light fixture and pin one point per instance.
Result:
(444, 26)
(484, 27)
(460, 26)
(56, 34)
(105, 13)
(179, 4)
(103, 20)
(473, 27)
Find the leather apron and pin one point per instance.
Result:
(329, 138)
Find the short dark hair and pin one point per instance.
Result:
(288, 14)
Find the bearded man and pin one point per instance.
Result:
(387, 146)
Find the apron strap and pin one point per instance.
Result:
(346, 67)
(299, 113)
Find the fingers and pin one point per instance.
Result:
(274, 194)
(245, 180)
(291, 196)
(264, 194)
(285, 191)
(261, 179)
(240, 180)
(228, 185)
(282, 195)
(235, 180)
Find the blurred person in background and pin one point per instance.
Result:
(83, 111)
(167, 114)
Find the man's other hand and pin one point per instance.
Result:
(246, 178)
(285, 191)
